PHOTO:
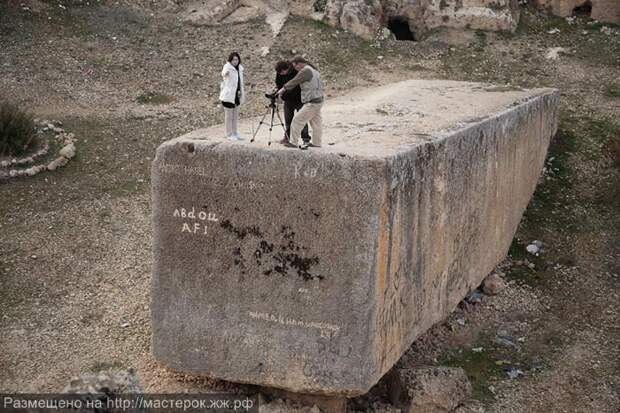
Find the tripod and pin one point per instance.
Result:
(273, 108)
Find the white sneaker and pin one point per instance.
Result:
(232, 138)
(304, 145)
(239, 138)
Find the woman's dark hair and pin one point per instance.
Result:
(234, 54)
(282, 65)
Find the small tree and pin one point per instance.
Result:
(17, 130)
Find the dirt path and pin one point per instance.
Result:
(75, 244)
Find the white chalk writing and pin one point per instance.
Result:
(201, 171)
(183, 169)
(197, 228)
(300, 171)
(287, 321)
(194, 227)
(191, 214)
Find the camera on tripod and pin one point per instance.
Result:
(272, 97)
(273, 109)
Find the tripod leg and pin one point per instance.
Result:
(283, 125)
(273, 113)
(259, 124)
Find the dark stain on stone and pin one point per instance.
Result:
(238, 259)
(299, 264)
(286, 261)
(266, 247)
(287, 233)
(241, 233)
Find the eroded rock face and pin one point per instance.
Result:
(315, 270)
(602, 10)
(358, 16)
(365, 17)
(491, 15)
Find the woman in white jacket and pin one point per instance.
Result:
(232, 94)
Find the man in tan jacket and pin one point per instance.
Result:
(309, 80)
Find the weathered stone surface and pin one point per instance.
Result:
(602, 10)
(359, 16)
(491, 15)
(315, 270)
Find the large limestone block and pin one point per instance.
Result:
(314, 271)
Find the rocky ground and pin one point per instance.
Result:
(75, 254)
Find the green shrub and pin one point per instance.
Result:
(613, 90)
(17, 130)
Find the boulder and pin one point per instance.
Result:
(493, 284)
(315, 270)
(428, 389)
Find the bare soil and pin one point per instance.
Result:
(75, 244)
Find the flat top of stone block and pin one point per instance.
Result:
(381, 121)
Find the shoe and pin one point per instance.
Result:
(314, 146)
(232, 138)
(239, 138)
(283, 141)
(304, 146)
(289, 145)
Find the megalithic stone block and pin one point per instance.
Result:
(314, 271)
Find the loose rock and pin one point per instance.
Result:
(68, 151)
(493, 284)
(430, 389)
(108, 382)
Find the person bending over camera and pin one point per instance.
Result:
(309, 80)
(292, 99)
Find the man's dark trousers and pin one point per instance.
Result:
(289, 112)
